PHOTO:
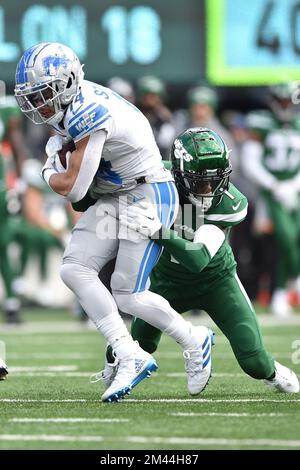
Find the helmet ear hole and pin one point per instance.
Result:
(69, 83)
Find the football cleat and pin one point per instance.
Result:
(285, 380)
(198, 360)
(130, 372)
(107, 374)
(3, 370)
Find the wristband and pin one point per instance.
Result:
(46, 174)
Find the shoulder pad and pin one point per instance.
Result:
(231, 211)
(85, 114)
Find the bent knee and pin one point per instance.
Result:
(258, 365)
(72, 273)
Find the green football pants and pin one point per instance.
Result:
(5, 267)
(33, 240)
(227, 303)
(287, 234)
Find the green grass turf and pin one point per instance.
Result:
(150, 425)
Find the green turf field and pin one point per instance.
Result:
(47, 401)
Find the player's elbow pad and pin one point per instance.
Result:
(210, 236)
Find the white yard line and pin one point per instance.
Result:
(40, 356)
(155, 440)
(57, 374)
(29, 400)
(60, 368)
(155, 400)
(214, 374)
(233, 415)
(222, 355)
(63, 327)
(68, 420)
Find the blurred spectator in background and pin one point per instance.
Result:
(11, 131)
(45, 225)
(122, 87)
(151, 93)
(271, 159)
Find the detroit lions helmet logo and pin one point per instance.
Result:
(52, 63)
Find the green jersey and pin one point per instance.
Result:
(281, 142)
(184, 262)
(8, 110)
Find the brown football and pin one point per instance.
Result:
(69, 147)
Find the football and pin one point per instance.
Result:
(69, 147)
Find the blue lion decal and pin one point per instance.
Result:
(52, 63)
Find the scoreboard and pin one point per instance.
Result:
(253, 42)
(126, 38)
(227, 42)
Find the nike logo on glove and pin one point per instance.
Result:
(235, 208)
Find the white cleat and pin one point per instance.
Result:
(285, 380)
(3, 370)
(107, 375)
(198, 360)
(130, 372)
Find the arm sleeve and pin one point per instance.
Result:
(195, 255)
(89, 166)
(251, 160)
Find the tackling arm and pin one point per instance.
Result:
(195, 255)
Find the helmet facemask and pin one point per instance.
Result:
(43, 104)
(203, 189)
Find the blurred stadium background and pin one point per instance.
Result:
(185, 63)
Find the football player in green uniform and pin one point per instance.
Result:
(197, 270)
(271, 159)
(10, 128)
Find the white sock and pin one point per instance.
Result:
(114, 330)
(181, 330)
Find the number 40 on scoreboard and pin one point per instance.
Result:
(253, 43)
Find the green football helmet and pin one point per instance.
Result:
(281, 101)
(201, 167)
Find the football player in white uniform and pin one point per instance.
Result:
(117, 160)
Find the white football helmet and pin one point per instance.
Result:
(48, 76)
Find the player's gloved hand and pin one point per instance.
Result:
(54, 144)
(58, 165)
(286, 195)
(142, 218)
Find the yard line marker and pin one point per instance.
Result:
(29, 400)
(52, 374)
(154, 440)
(68, 420)
(213, 441)
(50, 438)
(60, 368)
(229, 354)
(154, 400)
(87, 374)
(211, 400)
(41, 356)
(232, 415)
(216, 374)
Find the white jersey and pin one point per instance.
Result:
(129, 151)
